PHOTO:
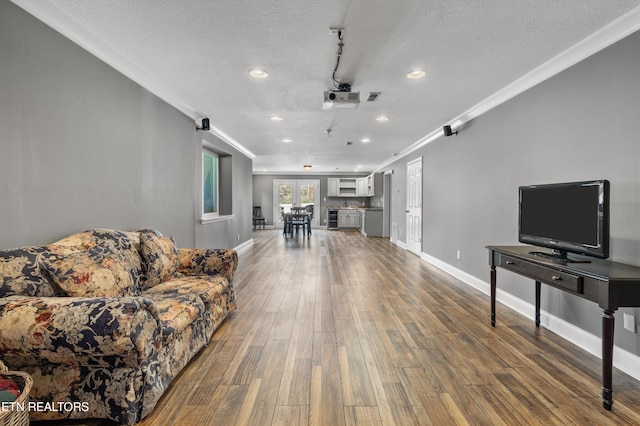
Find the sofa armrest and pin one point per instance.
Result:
(115, 332)
(208, 262)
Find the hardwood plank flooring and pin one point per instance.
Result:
(340, 329)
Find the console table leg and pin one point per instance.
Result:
(538, 303)
(493, 296)
(608, 321)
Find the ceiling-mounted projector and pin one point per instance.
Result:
(341, 100)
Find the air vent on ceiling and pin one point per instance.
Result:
(373, 96)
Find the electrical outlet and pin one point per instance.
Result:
(629, 322)
(238, 237)
(458, 254)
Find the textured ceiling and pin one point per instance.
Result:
(201, 51)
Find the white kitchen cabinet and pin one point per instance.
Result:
(348, 218)
(333, 185)
(348, 187)
(361, 187)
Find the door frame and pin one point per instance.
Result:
(414, 206)
(386, 204)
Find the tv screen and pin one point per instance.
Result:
(566, 217)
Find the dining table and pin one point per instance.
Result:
(295, 218)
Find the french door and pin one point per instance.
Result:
(295, 193)
(414, 206)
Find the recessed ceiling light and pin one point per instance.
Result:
(286, 140)
(258, 73)
(365, 140)
(382, 118)
(416, 74)
(276, 118)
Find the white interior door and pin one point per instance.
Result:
(292, 193)
(414, 206)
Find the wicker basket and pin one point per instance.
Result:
(18, 416)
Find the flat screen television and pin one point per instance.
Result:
(566, 217)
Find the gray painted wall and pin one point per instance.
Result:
(82, 146)
(581, 124)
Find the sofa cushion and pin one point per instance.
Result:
(160, 257)
(20, 273)
(91, 273)
(107, 241)
(134, 237)
(176, 311)
(212, 290)
(208, 288)
(80, 241)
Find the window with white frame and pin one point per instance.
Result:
(216, 202)
(210, 185)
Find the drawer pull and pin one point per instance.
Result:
(510, 262)
(556, 278)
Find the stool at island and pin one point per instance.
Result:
(16, 413)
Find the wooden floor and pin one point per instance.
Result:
(342, 329)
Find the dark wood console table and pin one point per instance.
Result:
(611, 285)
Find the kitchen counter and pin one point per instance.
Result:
(367, 219)
(353, 208)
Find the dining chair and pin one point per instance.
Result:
(257, 217)
(309, 210)
(289, 221)
(285, 217)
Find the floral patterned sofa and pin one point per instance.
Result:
(103, 320)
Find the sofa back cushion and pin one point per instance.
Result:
(20, 273)
(100, 262)
(91, 273)
(160, 257)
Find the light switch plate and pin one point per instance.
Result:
(629, 322)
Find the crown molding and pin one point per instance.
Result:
(615, 31)
(312, 174)
(55, 18)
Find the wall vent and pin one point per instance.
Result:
(373, 96)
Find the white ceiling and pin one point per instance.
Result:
(198, 53)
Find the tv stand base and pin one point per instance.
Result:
(609, 284)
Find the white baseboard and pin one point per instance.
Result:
(244, 246)
(399, 243)
(622, 359)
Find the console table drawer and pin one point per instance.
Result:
(540, 273)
